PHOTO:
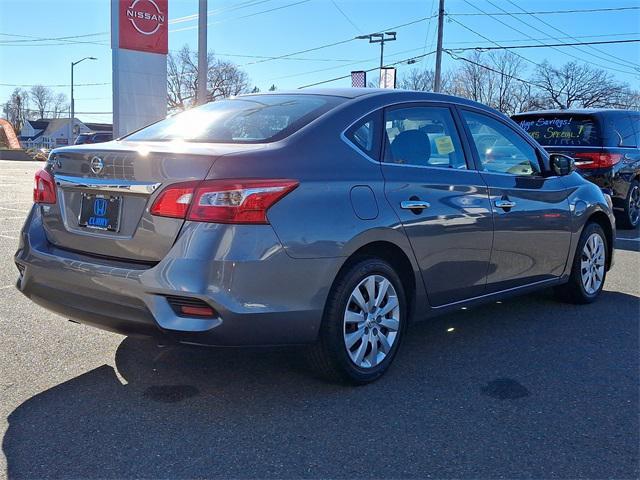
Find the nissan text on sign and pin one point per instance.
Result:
(139, 42)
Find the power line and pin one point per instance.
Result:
(495, 43)
(30, 40)
(217, 11)
(356, 62)
(565, 53)
(622, 62)
(25, 85)
(455, 57)
(529, 36)
(546, 45)
(550, 38)
(243, 16)
(405, 60)
(341, 42)
(346, 16)
(548, 12)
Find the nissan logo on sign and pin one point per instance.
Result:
(143, 25)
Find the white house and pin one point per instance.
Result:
(55, 132)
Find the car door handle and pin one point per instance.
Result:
(414, 204)
(502, 203)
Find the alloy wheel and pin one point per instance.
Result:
(592, 263)
(634, 205)
(371, 321)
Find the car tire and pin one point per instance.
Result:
(631, 216)
(589, 267)
(359, 338)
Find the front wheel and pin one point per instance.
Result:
(589, 268)
(363, 323)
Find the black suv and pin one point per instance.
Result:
(605, 145)
(93, 137)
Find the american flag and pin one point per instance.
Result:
(359, 79)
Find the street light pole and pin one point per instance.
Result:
(379, 38)
(73, 107)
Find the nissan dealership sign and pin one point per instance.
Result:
(143, 25)
(139, 43)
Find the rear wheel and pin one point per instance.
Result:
(589, 268)
(631, 216)
(363, 323)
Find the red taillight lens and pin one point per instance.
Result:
(44, 189)
(222, 201)
(592, 160)
(174, 201)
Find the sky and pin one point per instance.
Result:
(241, 29)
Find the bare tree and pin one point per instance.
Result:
(60, 106)
(42, 97)
(224, 79)
(16, 109)
(416, 79)
(577, 85)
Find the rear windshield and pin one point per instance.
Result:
(561, 130)
(250, 119)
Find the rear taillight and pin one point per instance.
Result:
(174, 201)
(592, 160)
(222, 201)
(44, 189)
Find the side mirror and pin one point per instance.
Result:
(561, 164)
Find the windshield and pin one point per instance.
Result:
(83, 138)
(250, 119)
(561, 130)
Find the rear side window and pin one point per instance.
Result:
(562, 130)
(621, 133)
(364, 135)
(250, 119)
(422, 136)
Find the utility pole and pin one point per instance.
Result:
(437, 81)
(379, 38)
(201, 93)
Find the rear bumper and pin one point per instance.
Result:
(262, 296)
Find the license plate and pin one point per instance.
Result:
(101, 212)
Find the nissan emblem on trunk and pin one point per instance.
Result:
(97, 165)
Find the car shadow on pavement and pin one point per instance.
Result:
(524, 388)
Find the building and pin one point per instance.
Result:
(56, 132)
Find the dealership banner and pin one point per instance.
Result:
(359, 79)
(388, 77)
(139, 47)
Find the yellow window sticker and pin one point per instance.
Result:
(444, 145)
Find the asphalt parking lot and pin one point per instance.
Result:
(527, 388)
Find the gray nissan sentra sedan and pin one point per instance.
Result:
(331, 218)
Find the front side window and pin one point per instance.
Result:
(247, 119)
(423, 136)
(500, 149)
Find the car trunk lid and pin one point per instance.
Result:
(104, 194)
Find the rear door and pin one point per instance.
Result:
(530, 211)
(440, 199)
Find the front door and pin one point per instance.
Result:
(531, 211)
(442, 202)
